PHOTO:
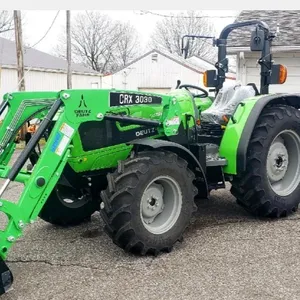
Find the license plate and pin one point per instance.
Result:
(121, 99)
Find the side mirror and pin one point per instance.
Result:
(279, 74)
(210, 78)
(257, 40)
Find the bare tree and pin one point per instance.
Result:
(127, 47)
(169, 31)
(6, 21)
(99, 42)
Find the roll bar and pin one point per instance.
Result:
(222, 64)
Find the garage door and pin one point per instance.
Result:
(155, 90)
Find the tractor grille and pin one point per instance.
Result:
(211, 129)
(96, 135)
(210, 133)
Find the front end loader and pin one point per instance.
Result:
(87, 132)
(140, 159)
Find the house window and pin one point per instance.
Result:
(154, 57)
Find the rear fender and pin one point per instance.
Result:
(237, 135)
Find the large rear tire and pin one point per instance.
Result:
(149, 202)
(270, 186)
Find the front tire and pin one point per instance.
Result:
(67, 206)
(149, 202)
(270, 186)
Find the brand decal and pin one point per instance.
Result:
(157, 114)
(121, 99)
(82, 110)
(145, 132)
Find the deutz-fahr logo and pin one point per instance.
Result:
(82, 110)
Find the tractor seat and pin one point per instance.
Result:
(226, 102)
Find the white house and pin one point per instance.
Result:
(158, 71)
(42, 71)
(285, 49)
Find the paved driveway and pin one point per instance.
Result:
(226, 254)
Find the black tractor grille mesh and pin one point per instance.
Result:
(211, 129)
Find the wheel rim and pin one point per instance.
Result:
(161, 204)
(70, 197)
(283, 163)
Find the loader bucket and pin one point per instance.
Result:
(6, 277)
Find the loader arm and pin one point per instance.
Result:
(20, 107)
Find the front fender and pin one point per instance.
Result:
(237, 135)
(180, 150)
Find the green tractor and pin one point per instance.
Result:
(141, 159)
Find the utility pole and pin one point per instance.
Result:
(20, 60)
(69, 74)
(19, 49)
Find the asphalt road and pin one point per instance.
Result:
(226, 254)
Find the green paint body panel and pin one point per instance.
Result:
(233, 132)
(203, 103)
(108, 157)
(99, 159)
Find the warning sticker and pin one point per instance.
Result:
(62, 145)
(174, 121)
(66, 130)
(56, 141)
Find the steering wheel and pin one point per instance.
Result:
(186, 86)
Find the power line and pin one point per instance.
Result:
(45, 33)
(144, 12)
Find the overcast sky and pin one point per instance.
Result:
(37, 23)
